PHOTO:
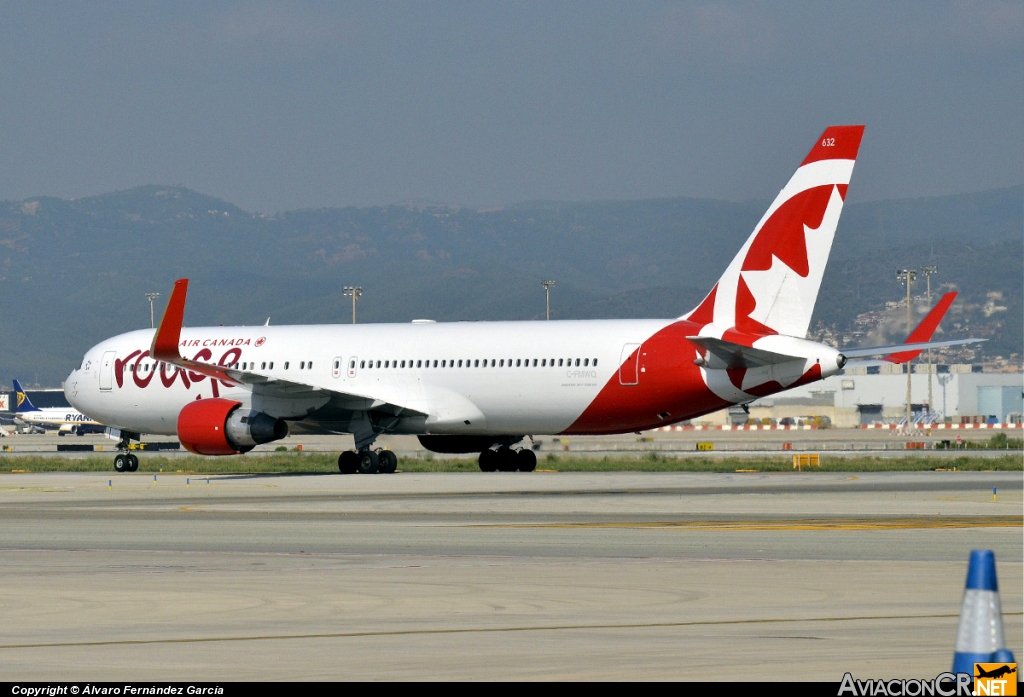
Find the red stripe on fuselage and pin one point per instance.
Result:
(670, 384)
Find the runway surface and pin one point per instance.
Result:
(477, 576)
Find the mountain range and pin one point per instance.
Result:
(73, 272)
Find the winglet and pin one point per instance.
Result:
(923, 332)
(168, 335)
(165, 341)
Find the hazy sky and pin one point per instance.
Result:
(276, 106)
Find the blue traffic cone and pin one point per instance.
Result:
(980, 638)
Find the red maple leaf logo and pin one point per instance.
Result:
(782, 235)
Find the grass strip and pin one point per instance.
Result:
(292, 462)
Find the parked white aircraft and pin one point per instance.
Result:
(483, 386)
(63, 419)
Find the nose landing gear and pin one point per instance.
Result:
(125, 461)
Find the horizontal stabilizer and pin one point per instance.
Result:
(891, 350)
(738, 355)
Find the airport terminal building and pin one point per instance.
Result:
(854, 397)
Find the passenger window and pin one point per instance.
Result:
(595, 362)
(285, 365)
(302, 365)
(337, 364)
(460, 363)
(387, 364)
(403, 364)
(577, 362)
(560, 362)
(419, 364)
(476, 363)
(501, 363)
(586, 362)
(362, 364)
(310, 366)
(263, 365)
(271, 367)
(534, 362)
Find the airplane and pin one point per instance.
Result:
(995, 672)
(482, 387)
(61, 418)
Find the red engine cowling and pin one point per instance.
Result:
(202, 427)
(222, 427)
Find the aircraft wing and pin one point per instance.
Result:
(738, 355)
(165, 348)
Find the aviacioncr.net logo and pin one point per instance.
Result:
(944, 685)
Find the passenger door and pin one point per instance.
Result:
(107, 370)
(628, 361)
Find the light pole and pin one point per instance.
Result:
(355, 292)
(907, 276)
(928, 271)
(152, 297)
(547, 298)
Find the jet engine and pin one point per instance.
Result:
(222, 427)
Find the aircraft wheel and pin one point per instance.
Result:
(369, 462)
(120, 463)
(488, 461)
(79, 431)
(526, 460)
(507, 460)
(348, 462)
(388, 462)
(133, 463)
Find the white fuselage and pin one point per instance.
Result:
(539, 376)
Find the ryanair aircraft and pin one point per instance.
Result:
(64, 419)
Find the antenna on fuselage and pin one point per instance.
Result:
(267, 323)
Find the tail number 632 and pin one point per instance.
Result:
(828, 142)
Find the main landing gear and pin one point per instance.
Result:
(367, 461)
(505, 459)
